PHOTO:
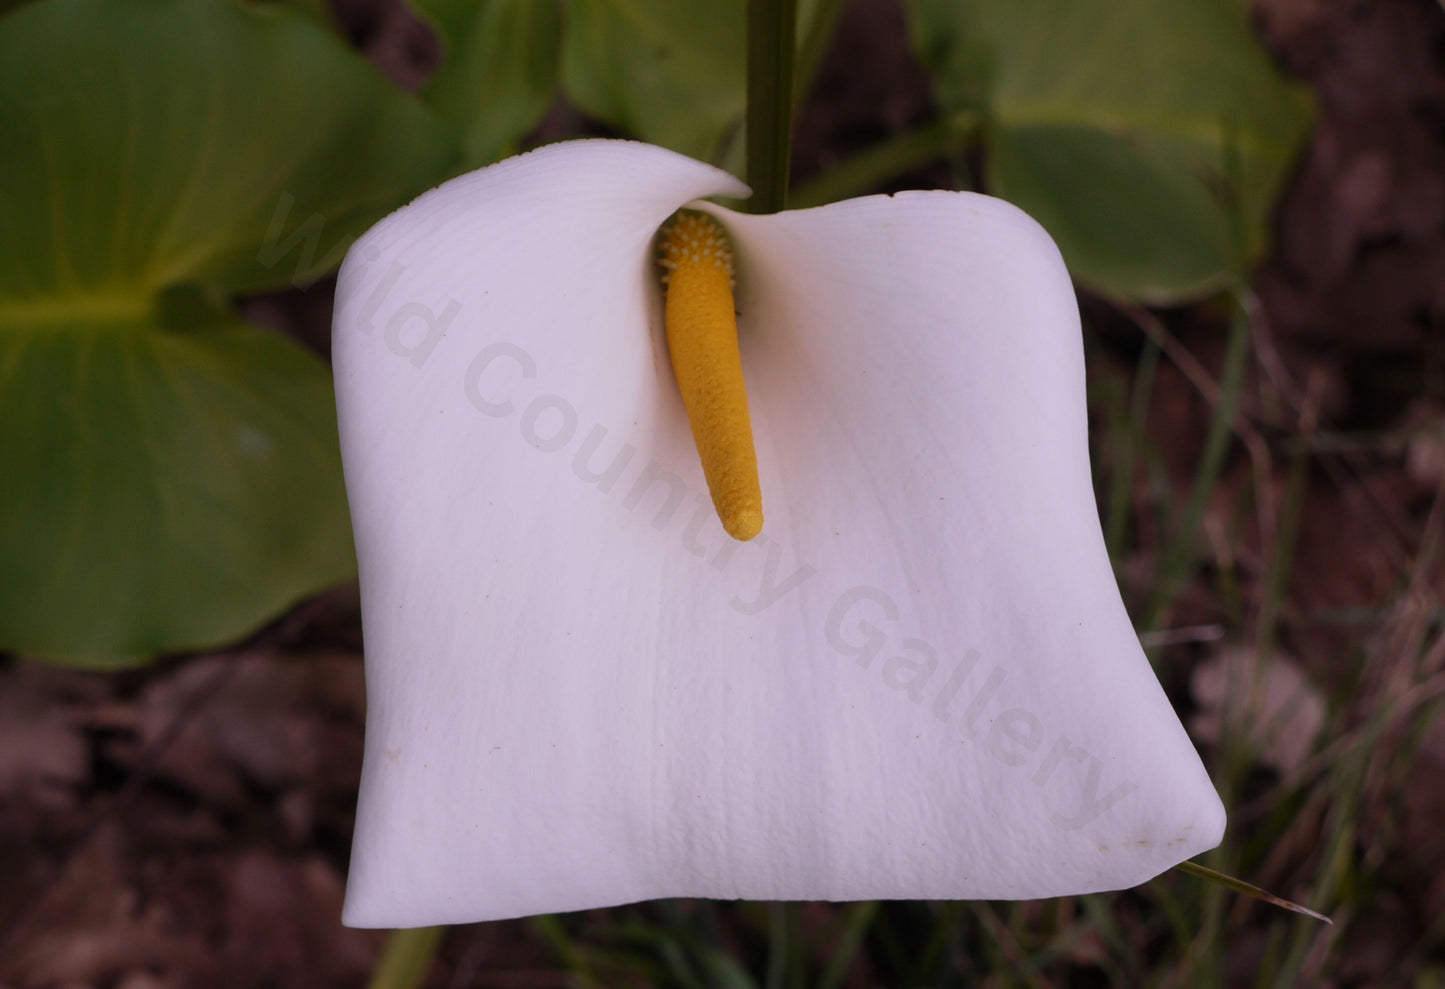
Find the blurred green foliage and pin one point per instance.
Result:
(668, 72)
(500, 70)
(672, 72)
(169, 475)
(1150, 137)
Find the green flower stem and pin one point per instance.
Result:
(870, 168)
(772, 29)
(407, 958)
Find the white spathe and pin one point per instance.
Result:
(918, 682)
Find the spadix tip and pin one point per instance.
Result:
(744, 525)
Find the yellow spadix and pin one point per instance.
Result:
(702, 337)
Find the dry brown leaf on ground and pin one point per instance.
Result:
(93, 924)
(267, 720)
(43, 750)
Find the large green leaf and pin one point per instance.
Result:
(500, 72)
(169, 477)
(157, 142)
(161, 489)
(1150, 136)
(667, 71)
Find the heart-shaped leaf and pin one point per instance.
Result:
(162, 489)
(1150, 137)
(170, 476)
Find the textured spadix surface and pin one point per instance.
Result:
(918, 682)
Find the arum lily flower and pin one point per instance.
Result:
(917, 681)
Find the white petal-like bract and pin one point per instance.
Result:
(918, 682)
